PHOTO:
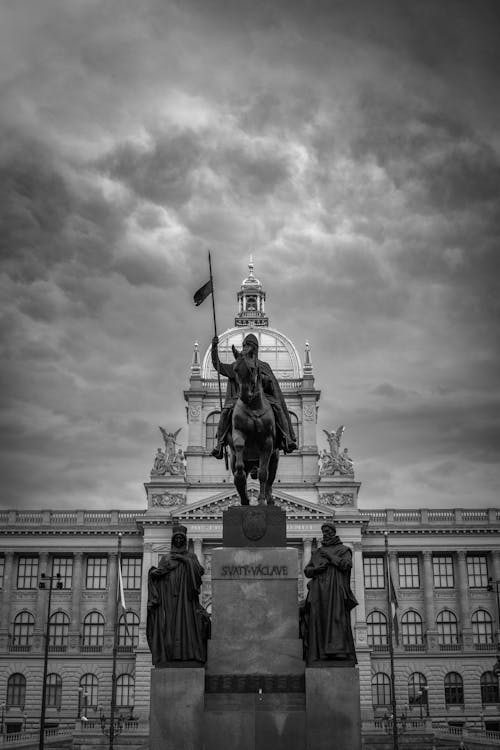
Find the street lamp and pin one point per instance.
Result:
(44, 579)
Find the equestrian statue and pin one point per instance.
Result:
(254, 422)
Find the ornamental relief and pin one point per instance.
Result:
(309, 412)
(337, 499)
(194, 413)
(167, 500)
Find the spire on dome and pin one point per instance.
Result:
(308, 368)
(251, 301)
(195, 365)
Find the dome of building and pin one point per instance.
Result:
(274, 348)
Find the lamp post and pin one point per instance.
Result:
(44, 579)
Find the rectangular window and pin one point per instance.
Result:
(97, 573)
(27, 572)
(442, 566)
(373, 568)
(477, 571)
(2, 571)
(63, 566)
(408, 572)
(131, 572)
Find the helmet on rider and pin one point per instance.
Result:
(251, 340)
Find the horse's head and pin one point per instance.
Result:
(247, 372)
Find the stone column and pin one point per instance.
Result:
(147, 562)
(6, 594)
(495, 575)
(42, 594)
(198, 549)
(463, 599)
(429, 606)
(358, 580)
(112, 589)
(306, 556)
(76, 598)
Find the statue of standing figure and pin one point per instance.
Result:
(326, 615)
(177, 625)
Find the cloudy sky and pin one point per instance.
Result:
(352, 147)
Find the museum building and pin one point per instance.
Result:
(444, 565)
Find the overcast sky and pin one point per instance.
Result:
(352, 147)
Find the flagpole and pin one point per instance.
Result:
(215, 334)
(395, 743)
(115, 649)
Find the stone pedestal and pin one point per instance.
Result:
(255, 621)
(333, 717)
(255, 671)
(177, 704)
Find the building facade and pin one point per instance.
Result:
(444, 565)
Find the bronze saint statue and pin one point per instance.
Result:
(177, 625)
(285, 434)
(325, 617)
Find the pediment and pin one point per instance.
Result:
(214, 506)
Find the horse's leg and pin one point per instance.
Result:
(240, 477)
(264, 457)
(271, 476)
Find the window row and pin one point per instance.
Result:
(418, 690)
(409, 569)
(87, 694)
(213, 421)
(411, 629)
(96, 572)
(92, 636)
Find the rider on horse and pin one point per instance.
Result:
(272, 390)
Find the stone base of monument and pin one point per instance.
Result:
(177, 705)
(255, 692)
(333, 717)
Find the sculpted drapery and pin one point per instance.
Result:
(326, 622)
(177, 625)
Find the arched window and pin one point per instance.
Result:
(377, 629)
(88, 692)
(93, 631)
(211, 430)
(482, 628)
(128, 631)
(453, 689)
(125, 685)
(22, 630)
(381, 689)
(417, 690)
(295, 425)
(58, 631)
(53, 693)
(16, 691)
(489, 688)
(447, 628)
(412, 633)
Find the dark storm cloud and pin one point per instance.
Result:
(353, 148)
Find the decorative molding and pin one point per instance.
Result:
(309, 412)
(167, 499)
(194, 413)
(337, 499)
(214, 507)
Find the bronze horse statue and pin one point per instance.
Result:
(252, 439)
